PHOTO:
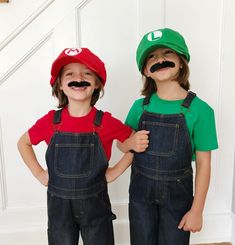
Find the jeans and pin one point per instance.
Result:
(91, 217)
(156, 208)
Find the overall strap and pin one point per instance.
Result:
(57, 117)
(189, 98)
(98, 118)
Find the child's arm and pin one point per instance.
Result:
(137, 141)
(192, 220)
(114, 172)
(29, 157)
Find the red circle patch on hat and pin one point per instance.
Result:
(78, 55)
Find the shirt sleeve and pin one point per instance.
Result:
(41, 130)
(204, 133)
(118, 130)
(134, 114)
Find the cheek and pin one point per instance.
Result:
(93, 83)
(148, 66)
(64, 84)
(61, 87)
(149, 63)
(64, 88)
(177, 62)
(146, 70)
(177, 67)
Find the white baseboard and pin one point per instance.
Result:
(36, 237)
(217, 227)
(233, 228)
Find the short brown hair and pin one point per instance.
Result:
(63, 99)
(150, 86)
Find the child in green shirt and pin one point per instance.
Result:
(162, 207)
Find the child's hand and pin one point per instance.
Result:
(43, 177)
(139, 141)
(110, 174)
(191, 221)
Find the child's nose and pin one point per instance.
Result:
(79, 77)
(160, 58)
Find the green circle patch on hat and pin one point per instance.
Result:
(160, 38)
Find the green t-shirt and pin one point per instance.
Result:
(199, 117)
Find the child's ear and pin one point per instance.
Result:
(96, 85)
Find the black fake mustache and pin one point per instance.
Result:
(79, 84)
(159, 66)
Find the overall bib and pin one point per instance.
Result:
(77, 190)
(161, 188)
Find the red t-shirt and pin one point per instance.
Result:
(110, 129)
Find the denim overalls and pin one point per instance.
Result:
(77, 190)
(161, 188)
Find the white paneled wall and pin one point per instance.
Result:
(32, 35)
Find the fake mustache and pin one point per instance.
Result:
(79, 84)
(159, 66)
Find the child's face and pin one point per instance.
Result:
(78, 72)
(162, 64)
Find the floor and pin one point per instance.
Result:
(223, 243)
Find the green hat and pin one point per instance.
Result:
(160, 38)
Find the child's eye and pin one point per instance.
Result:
(88, 73)
(168, 52)
(68, 74)
(152, 56)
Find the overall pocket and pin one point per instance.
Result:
(163, 138)
(73, 160)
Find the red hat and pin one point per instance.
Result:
(80, 55)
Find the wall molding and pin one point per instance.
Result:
(78, 21)
(164, 13)
(16, 219)
(26, 23)
(21, 61)
(219, 100)
(233, 228)
(3, 187)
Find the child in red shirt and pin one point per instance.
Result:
(79, 139)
